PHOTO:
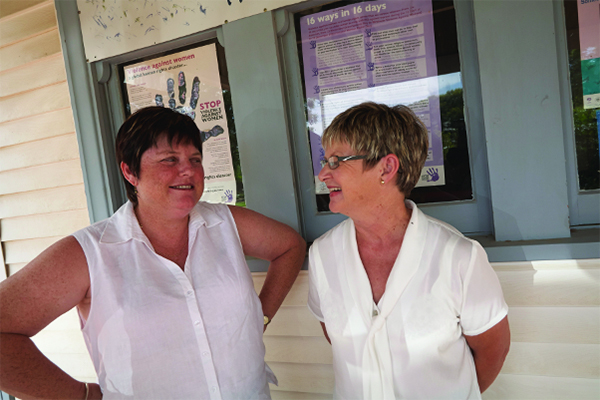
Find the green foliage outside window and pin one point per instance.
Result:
(586, 129)
(584, 121)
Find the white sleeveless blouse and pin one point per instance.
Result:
(155, 331)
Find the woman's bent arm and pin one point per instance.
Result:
(265, 238)
(51, 284)
(28, 374)
(489, 351)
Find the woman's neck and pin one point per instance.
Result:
(384, 223)
(168, 236)
(379, 237)
(155, 221)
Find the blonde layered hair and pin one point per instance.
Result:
(377, 130)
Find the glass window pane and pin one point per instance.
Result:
(584, 74)
(447, 176)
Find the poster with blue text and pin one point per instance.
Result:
(381, 51)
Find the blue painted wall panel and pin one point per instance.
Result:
(522, 112)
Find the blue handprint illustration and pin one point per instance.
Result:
(370, 66)
(227, 196)
(195, 93)
(317, 89)
(315, 71)
(171, 92)
(182, 87)
(313, 44)
(215, 131)
(432, 175)
(368, 32)
(368, 46)
(182, 94)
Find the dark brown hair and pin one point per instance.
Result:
(144, 128)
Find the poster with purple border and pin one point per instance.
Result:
(381, 51)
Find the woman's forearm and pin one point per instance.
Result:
(489, 351)
(281, 275)
(27, 374)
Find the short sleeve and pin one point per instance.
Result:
(314, 269)
(483, 302)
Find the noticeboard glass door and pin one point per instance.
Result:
(193, 81)
(397, 53)
(393, 53)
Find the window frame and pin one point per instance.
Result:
(99, 110)
(472, 217)
(584, 209)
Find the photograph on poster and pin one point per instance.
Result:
(377, 51)
(189, 82)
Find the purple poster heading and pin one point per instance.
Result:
(382, 51)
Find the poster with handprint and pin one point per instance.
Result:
(189, 82)
(381, 51)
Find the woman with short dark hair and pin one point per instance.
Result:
(166, 301)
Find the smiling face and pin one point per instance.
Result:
(170, 181)
(353, 189)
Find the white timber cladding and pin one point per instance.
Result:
(554, 317)
(42, 197)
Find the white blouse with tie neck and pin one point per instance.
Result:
(410, 345)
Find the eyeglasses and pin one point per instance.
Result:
(334, 161)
